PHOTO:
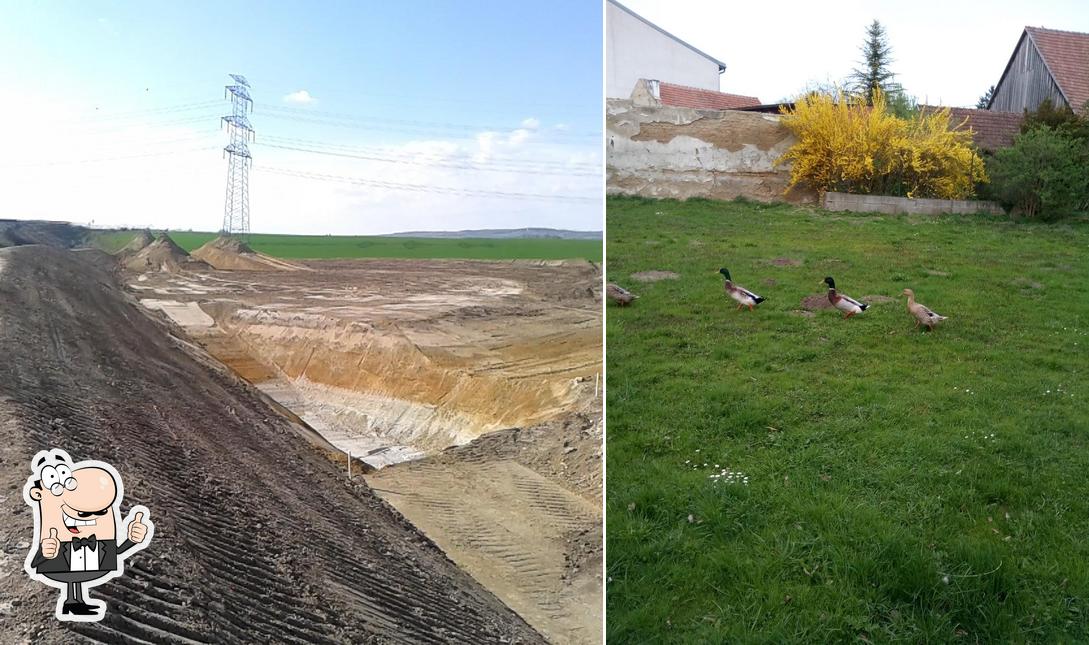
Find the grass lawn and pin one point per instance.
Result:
(902, 486)
(360, 246)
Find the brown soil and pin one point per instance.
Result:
(232, 254)
(533, 540)
(398, 359)
(57, 234)
(655, 276)
(137, 244)
(162, 255)
(816, 301)
(435, 352)
(259, 537)
(876, 299)
(785, 262)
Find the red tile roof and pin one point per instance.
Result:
(1066, 54)
(693, 97)
(991, 130)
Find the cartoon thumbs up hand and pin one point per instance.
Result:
(137, 529)
(51, 545)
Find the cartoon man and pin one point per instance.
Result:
(77, 507)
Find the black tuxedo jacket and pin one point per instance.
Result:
(108, 550)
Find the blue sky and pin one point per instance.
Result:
(483, 97)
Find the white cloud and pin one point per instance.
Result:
(110, 179)
(532, 123)
(301, 97)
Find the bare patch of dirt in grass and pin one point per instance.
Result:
(654, 276)
(784, 262)
(1025, 283)
(876, 300)
(816, 301)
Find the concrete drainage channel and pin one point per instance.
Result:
(421, 380)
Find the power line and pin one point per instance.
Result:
(59, 162)
(119, 127)
(442, 190)
(425, 156)
(343, 116)
(434, 163)
(385, 127)
(113, 116)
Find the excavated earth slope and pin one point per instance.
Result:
(259, 538)
(137, 244)
(232, 254)
(59, 234)
(407, 356)
(482, 377)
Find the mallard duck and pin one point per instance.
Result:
(743, 296)
(923, 314)
(619, 294)
(848, 305)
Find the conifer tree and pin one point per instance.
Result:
(874, 73)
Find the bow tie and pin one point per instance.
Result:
(79, 543)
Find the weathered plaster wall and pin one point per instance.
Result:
(660, 151)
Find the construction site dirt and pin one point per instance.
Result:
(467, 392)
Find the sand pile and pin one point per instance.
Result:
(137, 244)
(162, 255)
(233, 254)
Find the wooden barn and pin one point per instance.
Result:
(1046, 64)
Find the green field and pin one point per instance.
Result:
(337, 246)
(902, 486)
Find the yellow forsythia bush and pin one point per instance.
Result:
(847, 146)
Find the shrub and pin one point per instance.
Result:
(1045, 174)
(845, 145)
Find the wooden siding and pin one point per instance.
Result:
(1027, 82)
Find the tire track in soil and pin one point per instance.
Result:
(259, 538)
(508, 526)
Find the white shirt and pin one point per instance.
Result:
(84, 559)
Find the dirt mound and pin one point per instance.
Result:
(260, 537)
(162, 255)
(61, 235)
(143, 239)
(233, 254)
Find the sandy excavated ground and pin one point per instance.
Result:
(480, 376)
(259, 536)
(399, 355)
(520, 510)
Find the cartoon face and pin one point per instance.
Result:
(77, 503)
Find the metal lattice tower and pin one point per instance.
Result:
(236, 207)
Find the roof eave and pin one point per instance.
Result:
(721, 65)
